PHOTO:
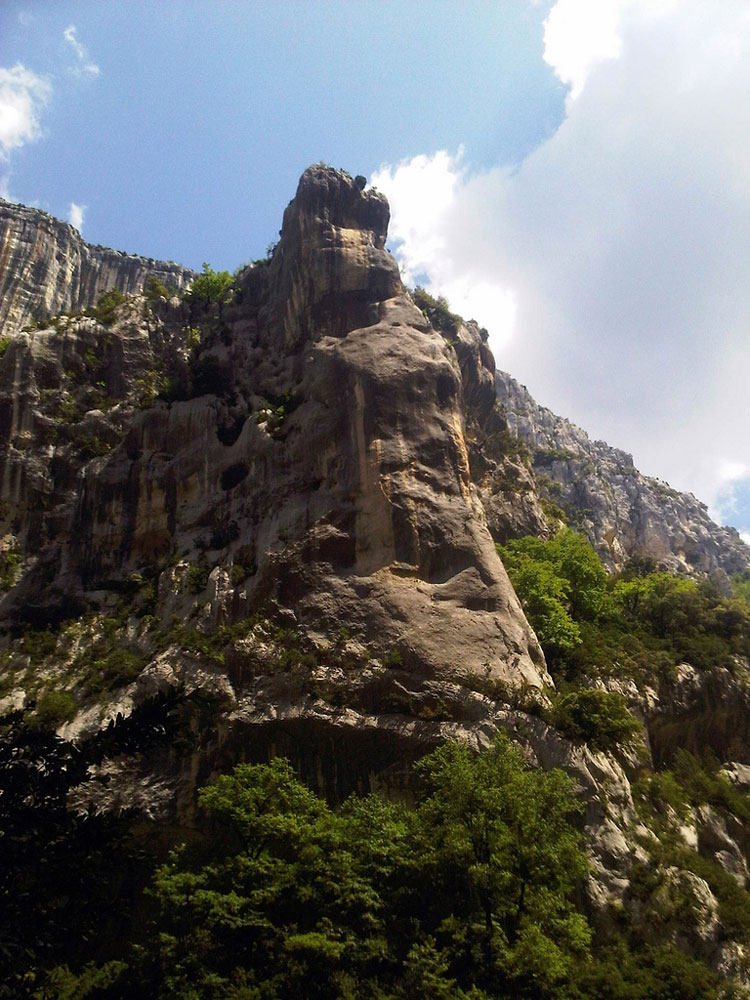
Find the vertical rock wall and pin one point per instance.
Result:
(46, 268)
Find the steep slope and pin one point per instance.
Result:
(622, 512)
(46, 268)
(299, 451)
(253, 524)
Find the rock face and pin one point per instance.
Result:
(622, 513)
(46, 268)
(350, 497)
(265, 520)
(308, 453)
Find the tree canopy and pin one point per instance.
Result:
(210, 286)
(470, 894)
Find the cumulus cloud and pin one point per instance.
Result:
(83, 66)
(23, 95)
(75, 215)
(611, 265)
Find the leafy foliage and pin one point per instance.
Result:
(640, 622)
(52, 709)
(467, 896)
(437, 311)
(59, 890)
(155, 289)
(498, 835)
(10, 565)
(210, 287)
(561, 583)
(105, 310)
(600, 718)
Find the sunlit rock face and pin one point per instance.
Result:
(320, 443)
(46, 268)
(267, 522)
(623, 513)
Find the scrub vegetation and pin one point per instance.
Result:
(470, 893)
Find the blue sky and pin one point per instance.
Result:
(575, 174)
(189, 140)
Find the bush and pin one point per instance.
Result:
(209, 287)
(173, 388)
(155, 289)
(599, 718)
(105, 310)
(10, 566)
(197, 578)
(38, 643)
(117, 668)
(502, 444)
(52, 709)
(472, 890)
(638, 623)
(437, 311)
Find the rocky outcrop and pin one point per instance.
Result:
(46, 268)
(321, 446)
(622, 512)
(263, 523)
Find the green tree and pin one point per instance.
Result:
(577, 563)
(283, 897)
(210, 287)
(601, 718)
(470, 891)
(499, 842)
(544, 593)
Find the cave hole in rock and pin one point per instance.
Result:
(233, 475)
(446, 389)
(228, 433)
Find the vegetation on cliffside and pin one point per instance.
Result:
(633, 624)
(469, 894)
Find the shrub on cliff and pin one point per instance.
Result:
(470, 894)
(600, 718)
(634, 622)
(560, 583)
(209, 287)
(437, 311)
(105, 310)
(155, 289)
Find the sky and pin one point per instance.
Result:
(573, 174)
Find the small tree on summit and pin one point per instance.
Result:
(210, 287)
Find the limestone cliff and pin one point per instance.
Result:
(264, 522)
(622, 512)
(46, 268)
(292, 458)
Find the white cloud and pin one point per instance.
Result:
(23, 95)
(423, 194)
(730, 472)
(621, 245)
(580, 34)
(84, 66)
(75, 215)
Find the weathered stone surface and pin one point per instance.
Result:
(622, 512)
(352, 502)
(46, 268)
(278, 507)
